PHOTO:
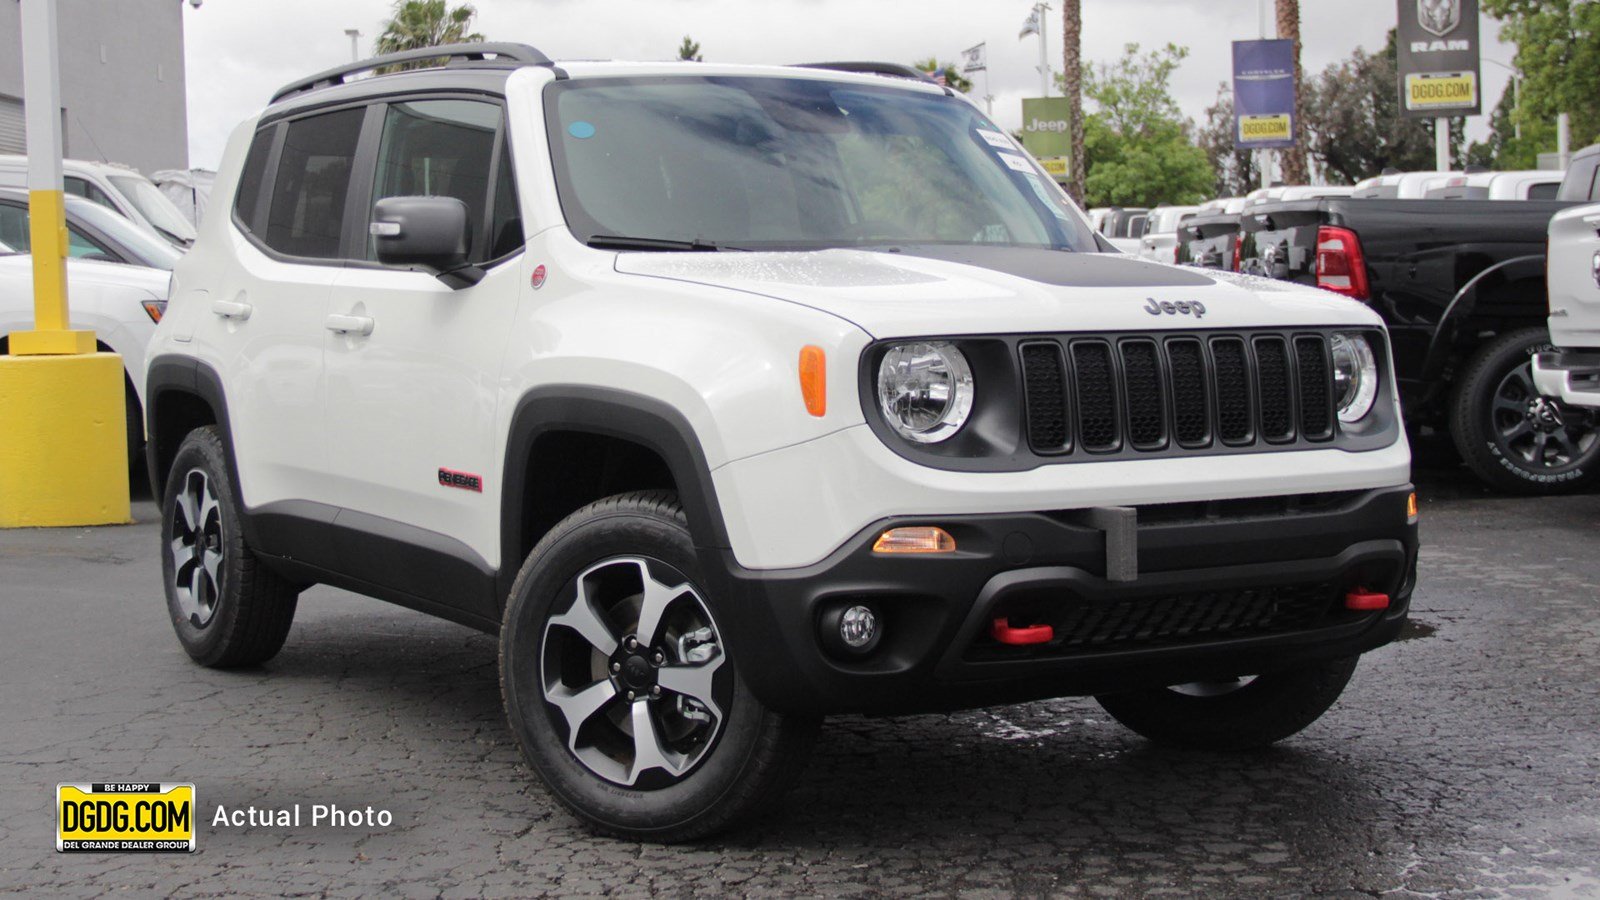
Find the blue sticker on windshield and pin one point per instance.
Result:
(581, 130)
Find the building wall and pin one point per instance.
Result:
(122, 79)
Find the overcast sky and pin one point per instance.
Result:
(239, 51)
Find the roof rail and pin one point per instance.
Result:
(895, 70)
(504, 55)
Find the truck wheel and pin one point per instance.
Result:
(1243, 714)
(1511, 437)
(620, 685)
(227, 609)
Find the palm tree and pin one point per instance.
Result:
(689, 50)
(952, 73)
(1294, 159)
(426, 23)
(1072, 86)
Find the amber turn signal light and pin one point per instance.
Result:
(1411, 507)
(814, 380)
(918, 539)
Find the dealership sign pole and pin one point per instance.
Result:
(1439, 66)
(1263, 97)
(64, 451)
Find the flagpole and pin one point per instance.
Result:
(1044, 57)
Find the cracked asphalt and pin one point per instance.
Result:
(1464, 760)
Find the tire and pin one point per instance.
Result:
(130, 403)
(1243, 715)
(724, 756)
(227, 609)
(1512, 438)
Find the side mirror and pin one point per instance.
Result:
(426, 231)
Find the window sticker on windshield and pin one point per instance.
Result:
(995, 139)
(1017, 163)
(581, 130)
(1051, 203)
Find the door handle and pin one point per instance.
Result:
(361, 325)
(231, 309)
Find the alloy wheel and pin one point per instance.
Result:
(196, 545)
(631, 672)
(1537, 431)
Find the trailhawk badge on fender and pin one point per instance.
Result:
(1181, 308)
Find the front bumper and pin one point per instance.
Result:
(1223, 588)
(1573, 376)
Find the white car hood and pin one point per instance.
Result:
(999, 290)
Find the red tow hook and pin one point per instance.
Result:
(1363, 600)
(1032, 634)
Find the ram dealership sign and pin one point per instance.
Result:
(1439, 66)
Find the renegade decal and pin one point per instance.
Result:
(466, 481)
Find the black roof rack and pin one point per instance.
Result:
(895, 70)
(493, 55)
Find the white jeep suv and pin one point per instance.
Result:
(730, 397)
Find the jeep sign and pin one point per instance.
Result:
(1439, 67)
(1047, 132)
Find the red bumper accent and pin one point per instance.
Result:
(1363, 600)
(1002, 631)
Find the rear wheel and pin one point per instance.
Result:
(1236, 714)
(1510, 436)
(227, 609)
(620, 684)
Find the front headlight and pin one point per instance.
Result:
(925, 390)
(1355, 376)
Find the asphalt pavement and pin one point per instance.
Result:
(1464, 760)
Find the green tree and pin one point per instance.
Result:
(1558, 54)
(1235, 170)
(689, 50)
(952, 73)
(1353, 122)
(1138, 147)
(415, 24)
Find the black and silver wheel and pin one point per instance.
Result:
(620, 685)
(226, 608)
(1236, 713)
(1512, 437)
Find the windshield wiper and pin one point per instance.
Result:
(614, 242)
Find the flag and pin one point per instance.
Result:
(972, 58)
(939, 76)
(1031, 26)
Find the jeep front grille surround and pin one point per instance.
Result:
(1091, 394)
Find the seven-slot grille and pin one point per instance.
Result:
(1094, 394)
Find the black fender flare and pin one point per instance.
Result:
(170, 374)
(1454, 321)
(608, 412)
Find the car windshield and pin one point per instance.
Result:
(148, 249)
(762, 163)
(155, 207)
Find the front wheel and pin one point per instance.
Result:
(1237, 714)
(620, 685)
(1513, 438)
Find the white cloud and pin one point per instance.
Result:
(239, 52)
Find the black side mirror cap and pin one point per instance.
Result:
(422, 231)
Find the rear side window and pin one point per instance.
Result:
(1580, 181)
(440, 148)
(312, 184)
(1545, 191)
(248, 199)
(86, 190)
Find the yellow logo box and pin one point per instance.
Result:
(1264, 128)
(125, 817)
(1442, 90)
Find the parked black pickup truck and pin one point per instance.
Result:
(1461, 285)
(1209, 240)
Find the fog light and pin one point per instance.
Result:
(850, 630)
(858, 628)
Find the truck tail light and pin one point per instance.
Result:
(1341, 268)
(1238, 253)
